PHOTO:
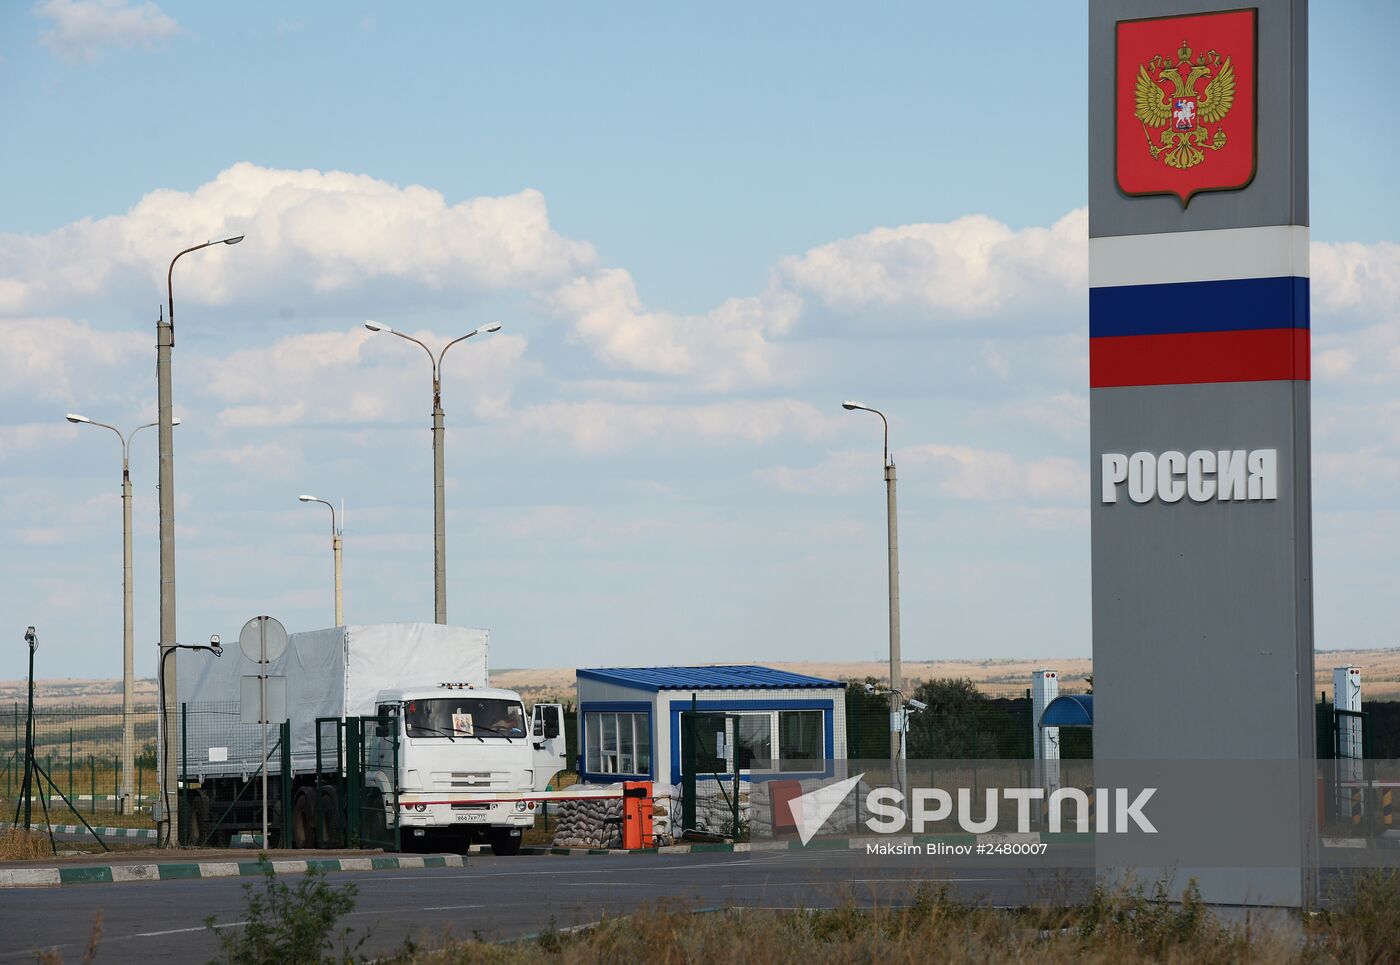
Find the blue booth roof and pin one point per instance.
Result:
(745, 677)
(1069, 710)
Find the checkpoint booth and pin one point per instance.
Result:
(704, 735)
(629, 720)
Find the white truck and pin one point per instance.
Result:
(392, 727)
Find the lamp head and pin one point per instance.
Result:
(175, 421)
(234, 240)
(307, 499)
(374, 326)
(849, 405)
(75, 418)
(493, 327)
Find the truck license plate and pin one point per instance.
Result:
(468, 817)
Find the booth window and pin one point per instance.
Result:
(800, 734)
(784, 740)
(617, 743)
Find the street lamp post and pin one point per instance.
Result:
(439, 504)
(165, 341)
(125, 795)
(896, 675)
(335, 550)
(27, 788)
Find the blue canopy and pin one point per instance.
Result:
(1069, 710)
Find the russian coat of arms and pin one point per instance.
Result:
(1186, 106)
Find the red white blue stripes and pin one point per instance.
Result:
(1195, 307)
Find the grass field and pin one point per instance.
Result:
(1109, 929)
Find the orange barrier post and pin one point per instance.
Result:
(780, 796)
(637, 806)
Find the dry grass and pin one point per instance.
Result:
(17, 845)
(1133, 927)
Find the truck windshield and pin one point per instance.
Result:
(464, 717)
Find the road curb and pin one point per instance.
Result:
(129, 834)
(185, 870)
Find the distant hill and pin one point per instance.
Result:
(1380, 675)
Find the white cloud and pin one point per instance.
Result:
(1066, 414)
(959, 471)
(1354, 278)
(1333, 363)
(82, 28)
(268, 460)
(18, 439)
(596, 427)
(309, 235)
(720, 349)
(44, 359)
(356, 377)
(986, 475)
(970, 268)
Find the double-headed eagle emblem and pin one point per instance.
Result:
(1185, 113)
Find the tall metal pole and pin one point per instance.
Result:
(165, 341)
(439, 508)
(262, 722)
(897, 716)
(335, 551)
(439, 488)
(124, 796)
(28, 790)
(896, 673)
(339, 605)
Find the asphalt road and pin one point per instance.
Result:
(503, 898)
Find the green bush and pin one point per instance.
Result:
(288, 924)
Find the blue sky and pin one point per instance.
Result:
(702, 229)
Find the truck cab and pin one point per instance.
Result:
(462, 763)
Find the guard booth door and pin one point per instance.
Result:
(709, 775)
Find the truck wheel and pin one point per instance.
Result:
(328, 824)
(505, 841)
(376, 823)
(196, 819)
(304, 819)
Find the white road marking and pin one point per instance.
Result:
(180, 931)
(658, 869)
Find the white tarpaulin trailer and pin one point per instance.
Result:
(334, 672)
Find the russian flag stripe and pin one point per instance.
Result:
(1244, 304)
(1279, 251)
(1254, 355)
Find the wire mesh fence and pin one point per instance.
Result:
(80, 748)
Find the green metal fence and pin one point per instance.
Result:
(964, 721)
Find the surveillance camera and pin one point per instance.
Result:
(869, 688)
(213, 639)
(918, 705)
(31, 638)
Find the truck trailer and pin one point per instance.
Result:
(393, 737)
